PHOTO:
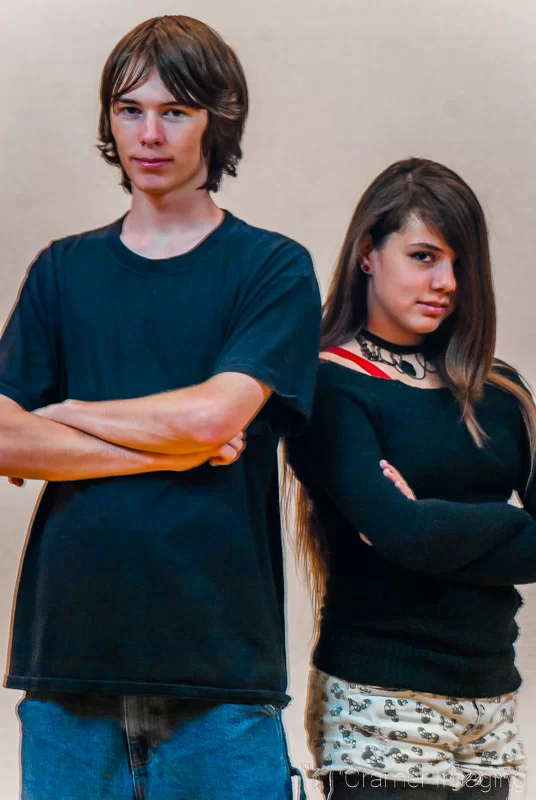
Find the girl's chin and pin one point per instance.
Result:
(426, 325)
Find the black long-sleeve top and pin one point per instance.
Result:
(431, 605)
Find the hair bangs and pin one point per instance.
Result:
(198, 69)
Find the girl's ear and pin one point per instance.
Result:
(365, 260)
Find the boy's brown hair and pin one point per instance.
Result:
(198, 68)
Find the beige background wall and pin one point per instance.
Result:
(339, 90)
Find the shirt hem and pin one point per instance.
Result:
(407, 668)
(77, 685)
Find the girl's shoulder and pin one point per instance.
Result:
(353, 361)
(506, 370)
(336, 373)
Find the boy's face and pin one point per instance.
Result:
(159, 141)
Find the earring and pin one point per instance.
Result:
(365, 269)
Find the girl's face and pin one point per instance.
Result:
(412, 283)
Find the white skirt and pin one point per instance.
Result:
(414, 737)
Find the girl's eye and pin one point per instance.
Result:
(423, 256)
(175, 113)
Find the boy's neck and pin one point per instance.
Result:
(162, 227)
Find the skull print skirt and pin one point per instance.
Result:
(409, 736)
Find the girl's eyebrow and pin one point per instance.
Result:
(428, 246)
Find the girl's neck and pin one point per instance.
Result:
(394, 334)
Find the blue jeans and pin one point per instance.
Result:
(133, 747)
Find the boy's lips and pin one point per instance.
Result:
(152, 163)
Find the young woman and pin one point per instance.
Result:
(414, 684)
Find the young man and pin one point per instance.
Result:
(148, 633)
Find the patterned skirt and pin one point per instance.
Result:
(413, 737)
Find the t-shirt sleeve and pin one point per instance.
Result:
(274, 337)
(340, 453)
(29, 352)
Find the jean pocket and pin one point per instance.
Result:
(269, 710)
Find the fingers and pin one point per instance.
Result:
(390, 472)
(238, 442)
(230, 452)
(227, 453)
(395, 477)
(406, 491)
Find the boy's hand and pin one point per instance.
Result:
(225, 455)
(230, 452)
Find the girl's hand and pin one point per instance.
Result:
(401, 484)
(399, 481)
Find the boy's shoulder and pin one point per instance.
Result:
(237, 231)
(48, 261)
(91, 236)
(263, 245)
(258, 249)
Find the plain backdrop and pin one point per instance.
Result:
(339, 90)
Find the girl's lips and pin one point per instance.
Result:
(436, 310)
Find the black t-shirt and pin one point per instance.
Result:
(169, 582)
(431, 605)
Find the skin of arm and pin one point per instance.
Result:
(184, 421)
(38, 448)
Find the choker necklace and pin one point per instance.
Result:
(372, 347)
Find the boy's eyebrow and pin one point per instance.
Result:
(123, 98)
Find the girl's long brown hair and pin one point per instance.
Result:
(463, 345)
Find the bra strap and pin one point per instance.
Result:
(372, 369)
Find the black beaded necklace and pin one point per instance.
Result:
(372, 347)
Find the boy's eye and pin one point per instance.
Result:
(129, 111)
(134, 111)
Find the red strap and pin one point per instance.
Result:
(372, 369)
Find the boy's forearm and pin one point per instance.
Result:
(183, 421)
(37, 448)
(155, 424)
